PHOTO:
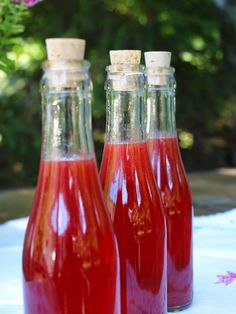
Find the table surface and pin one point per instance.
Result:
(214, 256)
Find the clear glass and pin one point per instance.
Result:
(70, 258)
(66, 106)
(124, 104)
(131, 195)
(160, 100)
(172, 182)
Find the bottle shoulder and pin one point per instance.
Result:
(168, 169)
(129, 186)
(68, 211)
(127, 164)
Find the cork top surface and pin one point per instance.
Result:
(65, 48)
(157, 58)
(125, 56)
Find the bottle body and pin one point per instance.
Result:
(70, 259)
(69, 253)
(172, 182)
(134, 205)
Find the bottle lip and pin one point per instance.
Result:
(153, 70)
(66, 65)
(125, 68)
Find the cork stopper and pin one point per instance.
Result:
(157, 63)
(157, 58)
(121, 71)
(65, 48)
(63, 57)
(125, 56)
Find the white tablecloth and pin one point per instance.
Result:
(214, 255)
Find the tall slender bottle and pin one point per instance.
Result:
(170, 177)
(130, 191)
(70, 258)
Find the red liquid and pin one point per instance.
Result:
(70, 259)
(172, 182)
(134, 204)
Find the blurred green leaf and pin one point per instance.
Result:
(201, 37)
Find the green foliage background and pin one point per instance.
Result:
(201, 36)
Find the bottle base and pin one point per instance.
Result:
(179, 308)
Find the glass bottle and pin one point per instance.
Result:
(131, 194)
(171, 179)
(70, 258)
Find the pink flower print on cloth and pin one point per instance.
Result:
(226, 279)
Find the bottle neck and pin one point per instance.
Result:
(160, 99)
(125, 104)
(66, 108)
